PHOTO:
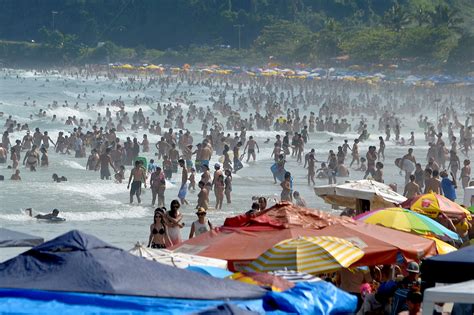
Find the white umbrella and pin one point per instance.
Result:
(179, 260)
(347, 194)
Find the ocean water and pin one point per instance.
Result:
(101, 207)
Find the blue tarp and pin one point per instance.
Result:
(305, 298)
(320, 298)
(78, 262)
(21, 301)
(457, 266)
(9, 238)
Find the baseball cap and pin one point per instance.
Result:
(413, 267)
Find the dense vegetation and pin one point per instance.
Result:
(437, 33)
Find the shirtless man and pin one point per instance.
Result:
(206, 153)
(105, 161)
(433, 184)
(412, 189)
(49, 216)
(93, 161)
(163, 148)
(138, 175)
(251, 144)
(409, 156)
(37, 137)
(355, 153)
(371, 157)
(46, 140)
(174, 157)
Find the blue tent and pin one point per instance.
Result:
(78, 262)
(9, 238)
(457, 266)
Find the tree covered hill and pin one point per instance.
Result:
(439, 31)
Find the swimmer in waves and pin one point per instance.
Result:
(51, 217)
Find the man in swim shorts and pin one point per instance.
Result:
(138, 175)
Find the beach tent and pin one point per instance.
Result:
(178, 260)
(455, 293)
(9, 238)
(454, 267)
(78, 262)
(360, 195)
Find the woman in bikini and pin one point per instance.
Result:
(159, 237)
(31, 158)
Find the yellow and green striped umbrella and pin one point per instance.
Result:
(313, 255)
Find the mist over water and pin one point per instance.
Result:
(101, 207)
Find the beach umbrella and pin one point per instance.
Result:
(407, 221)
(127, 67)
(243, 238)
(442, 247)
(313, 255)
(179, 260)
(432, 205)
(350, 193)
(9, 238)
(471, 209)
(381, 245)
(295, 276)
(267, 280)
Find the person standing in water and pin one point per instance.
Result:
(158, 187)
(159, 237)
(228, 185)
(201, 225)
(184, 183)
(105, 161)
(174, 218)
(286, 188)
(138, 175)
(251, 144)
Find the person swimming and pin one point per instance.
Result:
(53, 216)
